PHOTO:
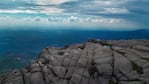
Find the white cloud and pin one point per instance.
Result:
(84, 22)
(16, 11)
(105, 6)
(116, 10)
(48, 2)
(44, 10)
(56, 19)
(4, 18)
(103, 3)
(50, 10)
(54, 6)
(94, 20)
(73, 19)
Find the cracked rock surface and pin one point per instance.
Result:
(118, 62)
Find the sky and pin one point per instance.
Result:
(81, 14)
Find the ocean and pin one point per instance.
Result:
(18, 47)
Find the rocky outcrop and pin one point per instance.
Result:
(118, 62)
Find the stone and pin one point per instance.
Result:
(117, 61)
(60, 71)
(121, 63)
(141, 47)
(146, 72)
(34, 78)
(34, 67)
(105, 68)
(60, 53)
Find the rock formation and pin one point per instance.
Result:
(118, 62)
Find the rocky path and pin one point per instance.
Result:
(118, 62)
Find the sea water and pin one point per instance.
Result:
(18, 47)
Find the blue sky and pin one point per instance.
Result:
(86, 14)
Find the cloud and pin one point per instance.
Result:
(64, 6)
(43, 10)
(2, 19)
(73, 19)
(37, 19)
(116, 10)
(68, 22)
(47, 2)
(92, 7)
(102, 13)
(51, 10)
(16, 11)
(56, 19)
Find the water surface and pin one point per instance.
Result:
(18, 47)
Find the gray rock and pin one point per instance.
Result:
(141, 47)
(146, 72)
(60, 71)
(34, 67)
(34, 78)
(118, 62)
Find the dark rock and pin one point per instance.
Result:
(60, 53)
(92, 40)
(66, 46)
(82, 46)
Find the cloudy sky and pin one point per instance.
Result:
(93, 14)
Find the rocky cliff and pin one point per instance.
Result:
(118, 62)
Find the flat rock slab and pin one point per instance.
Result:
(93, 62)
